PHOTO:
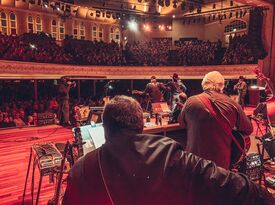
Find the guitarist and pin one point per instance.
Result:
(209, 132)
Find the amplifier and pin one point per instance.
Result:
(48, 157)
(251, 166)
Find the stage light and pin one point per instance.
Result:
(133, 26)
(32, 46)
(161, 27)
(146, 27)
(173, 16)
(231, 3)
(214, 6)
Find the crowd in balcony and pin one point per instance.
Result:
(197, 53)
(242, 50)
(156, 52)
(150, 53)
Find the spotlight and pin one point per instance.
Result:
(32, 46)
(161, 27)
(146, 27)
(214, 6)
(133, 26)
(167, 3)
(231, 3)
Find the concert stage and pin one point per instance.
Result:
(15, 147)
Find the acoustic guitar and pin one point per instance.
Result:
(239, 153)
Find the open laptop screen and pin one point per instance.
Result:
(93, 136)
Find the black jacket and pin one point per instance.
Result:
(154, 170)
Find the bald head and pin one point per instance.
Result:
(213, 81)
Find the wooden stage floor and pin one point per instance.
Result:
(14, 155)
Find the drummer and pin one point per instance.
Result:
(155, 89)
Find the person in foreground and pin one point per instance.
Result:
(133, 168)
(209, 134)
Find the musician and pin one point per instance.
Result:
(176, 88)
(133, 168)
(64, 109)
(154, 89)
(241, 87)
(207, 137)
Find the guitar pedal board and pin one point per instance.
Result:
(251, 166)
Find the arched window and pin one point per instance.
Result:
(117, 36)
(54, 29)
(75, 30)
(3, 23)
(234, 26)
(94, 32)
(82, 31)
(38, 24)
(13, 30)
(30, 24)
(61, 30)
(112, 34)
(100, 33)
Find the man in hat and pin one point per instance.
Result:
(154, 89)
(176, 88)
(209, 118)
(241, 87)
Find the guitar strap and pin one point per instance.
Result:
(206, 101)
